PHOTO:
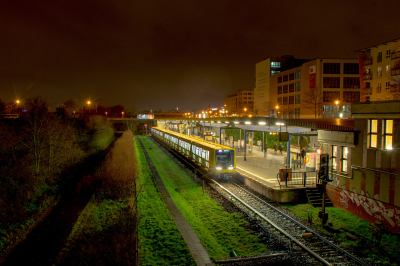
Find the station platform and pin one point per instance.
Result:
(260, 171)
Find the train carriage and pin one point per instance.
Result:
(218, 159)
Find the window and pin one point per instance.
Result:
(379, 56)
(285, 100)
(297, 113)
(298, 99)
(280, 101)
(351, 83)
(379, 88)
(273, 72)
(331, 96)
(280, 79)
(351, 68)
(372, 133)
(334, 156)
(388, 53)
(291, 99)
(379, 74)
(291, 87)
(298, 86)
(387, 85)
(351, 96)
(331, 82)
(331, 68)
(298, 75)
(388, 69)
(285, 88)
(291, 76)
(387, 134)
(345, 150)
(276, 64)
(285, 78)
(279, 89)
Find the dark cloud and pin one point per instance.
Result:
(168, 54)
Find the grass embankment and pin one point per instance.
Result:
(45, 155)
(105, 231)
(385, 253)
(218, 230)
(160, 242)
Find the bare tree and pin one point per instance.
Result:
(313, 100)
(263, 109)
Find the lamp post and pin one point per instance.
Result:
(277, 107)
(337, 103)
(106, 114)
(122, 114)
(17, 105)
(89, 107)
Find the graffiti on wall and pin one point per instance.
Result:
(371, 206)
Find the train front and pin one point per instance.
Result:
(225, 163)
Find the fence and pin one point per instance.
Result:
(297, 178)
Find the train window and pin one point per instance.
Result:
(224, 158)
(207, 156)
(203, 154)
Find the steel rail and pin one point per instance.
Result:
(347, 254)
(293, 239)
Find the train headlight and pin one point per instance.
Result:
(219, 168)
(230, 168)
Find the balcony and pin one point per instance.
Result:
(395, 88)
(367, 91)
(395, 72)
(368, 62)
(367, 76)
(395, 55)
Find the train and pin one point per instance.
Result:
(218, 160)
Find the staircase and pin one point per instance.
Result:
(315, 198)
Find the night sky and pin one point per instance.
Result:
(169, 54)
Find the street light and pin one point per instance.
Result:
(106, 114)
(122, 114)
(89, 106)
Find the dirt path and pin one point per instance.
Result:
(43, 244)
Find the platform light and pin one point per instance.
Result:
(219, 168)
(230, 168)
(279, 124)
(236, 122)
(226, 122)
(247, 123)
(262, 123)
(219, 122)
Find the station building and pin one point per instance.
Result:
(365, 163)
(320, 88)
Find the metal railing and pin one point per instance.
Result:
(395, 55)
(368, 62)
(367, 76)
(297, 178)
(395, 72)
(367, 91)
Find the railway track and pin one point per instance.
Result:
(293, 235)
(298, 238)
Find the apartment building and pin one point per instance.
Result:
(240, 103)
(321, 88)
(231, 104)
(264, 70)
(380, 76)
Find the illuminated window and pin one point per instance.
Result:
(345, 150)
(298, 75)
(298, 99)
(379, 72)
(387, 69)
(387, 136)
(372, 133)
(276, 64)
(273, 72)
(334, 157)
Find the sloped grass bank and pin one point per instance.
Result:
(218, 230)
(160, 242)
(386, 253)
(105, 231)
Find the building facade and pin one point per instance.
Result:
(380, 75)
(321, 88)
(264, 71)
(240, 103)
(231, 104)
(365, 164)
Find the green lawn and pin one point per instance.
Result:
(160, 242)
(219, 231)
(386, 253)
